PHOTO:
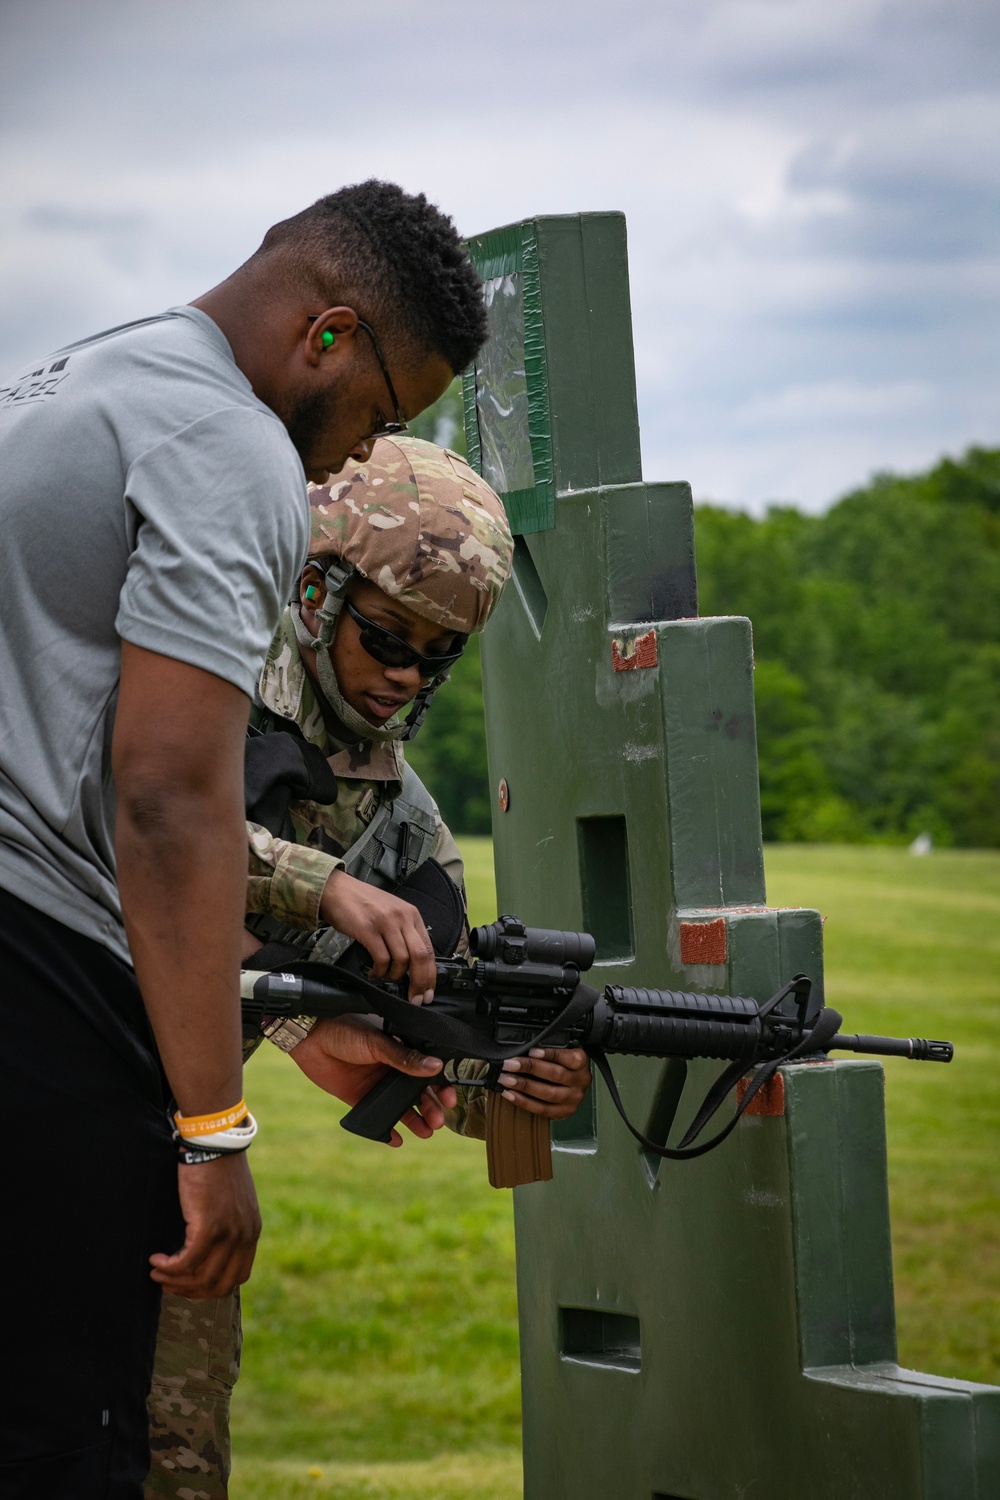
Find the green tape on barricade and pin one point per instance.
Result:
(505, 395)
(542, 512)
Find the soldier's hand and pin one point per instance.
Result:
(220, 1211)
(550, 1081)
(347, 1056)
(251, 942)
(392, 930)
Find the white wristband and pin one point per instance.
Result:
(235, 1138)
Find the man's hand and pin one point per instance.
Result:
(223, 1224)
(347, 1056)
(550, 1081)
(390, 929)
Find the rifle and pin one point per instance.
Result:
(523, 989)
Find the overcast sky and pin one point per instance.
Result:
(810, 187)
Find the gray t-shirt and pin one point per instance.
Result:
(146, 495)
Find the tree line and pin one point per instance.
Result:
(877, 647)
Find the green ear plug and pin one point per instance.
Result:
(312, 592)
(327, 339)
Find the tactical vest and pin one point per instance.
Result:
(398, 838)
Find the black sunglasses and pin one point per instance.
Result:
(385, 429)
(392, 651)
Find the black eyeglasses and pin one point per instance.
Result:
(385, 429)
(392, 651)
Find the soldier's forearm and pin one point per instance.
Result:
(181, 850)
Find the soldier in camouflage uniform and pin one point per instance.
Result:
(412, 543)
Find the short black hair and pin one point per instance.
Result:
(397, 259)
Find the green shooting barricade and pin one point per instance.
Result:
(722, 1328)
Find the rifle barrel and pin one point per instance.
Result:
(918, 1048)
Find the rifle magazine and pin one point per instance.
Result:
(518, 1146)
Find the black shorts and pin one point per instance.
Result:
(89, 1184)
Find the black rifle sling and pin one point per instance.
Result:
(824, 1029)
(736, 1070)
(434, 1030)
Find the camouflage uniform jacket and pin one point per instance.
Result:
(285, 879)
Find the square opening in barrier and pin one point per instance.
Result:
(579, 1131)
(529, 587)
(606, 886)
(594, 1337)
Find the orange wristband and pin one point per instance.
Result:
(189, 1125)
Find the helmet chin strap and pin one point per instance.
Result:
(356, 726)
(421, 704)
(336, 582)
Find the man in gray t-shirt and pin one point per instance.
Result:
(145, 489)
(152, 479)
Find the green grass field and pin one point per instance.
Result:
(381, 1334)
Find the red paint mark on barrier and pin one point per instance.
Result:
(770, 1100)
(640, 651)
(704, 942)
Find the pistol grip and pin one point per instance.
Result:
(518, 1146)
(385, 1104)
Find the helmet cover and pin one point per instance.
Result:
(421, 525)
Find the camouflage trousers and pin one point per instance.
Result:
(196, 1366)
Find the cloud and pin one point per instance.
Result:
(810, 189)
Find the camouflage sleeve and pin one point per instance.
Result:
(286, 880)
(469, 1115)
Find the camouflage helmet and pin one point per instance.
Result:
(422, 525)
